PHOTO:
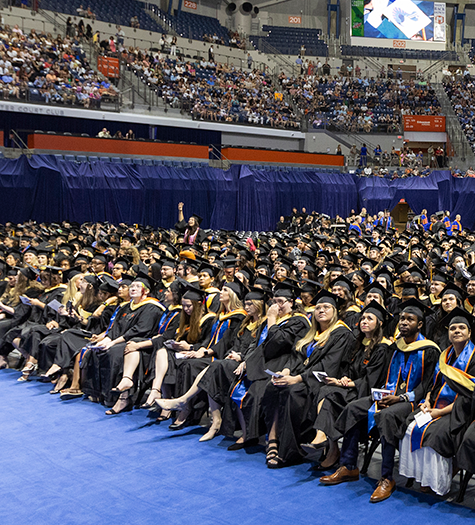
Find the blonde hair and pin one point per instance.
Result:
(315, 330)
(72, 293)
(234, 302)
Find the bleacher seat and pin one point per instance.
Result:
(106, 160)
(127, 160)
(70, 158)
(116, 160)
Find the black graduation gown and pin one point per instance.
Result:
(391, 421)
(20, 315)
(465, 456)
(296, 404)
(73, 340)
(38, 316)
(218, 378)
(351, 317)
(445, 434)
(366, 374)
(273, 354)
(45, 348)
(103, 370)
(206, 324)
(188, 369)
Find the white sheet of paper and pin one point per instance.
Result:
(179, 355)
(55, 305)
(422, 418)
(407, 17)
(273, 374)
(320, 375)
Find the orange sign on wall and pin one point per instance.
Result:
(109, 67)
(424, 123)
(400, 44)
(190, 5)
(295, 19)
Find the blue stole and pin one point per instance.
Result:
(239, 391)
(446, 394)
(263, 335)
(111, 322)
(166, 319)
(311, 348)
(410, 372)
(218, 331)
(114, 315)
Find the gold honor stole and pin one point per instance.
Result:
(149, 300)
(455, 374)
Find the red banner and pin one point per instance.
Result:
(424, 123)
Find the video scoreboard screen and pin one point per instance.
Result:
(414, 20)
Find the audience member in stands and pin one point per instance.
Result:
(104, 134)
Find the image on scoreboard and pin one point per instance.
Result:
(399, 19)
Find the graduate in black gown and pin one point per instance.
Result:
(449, 412)
(349, 310)
(138, 351)
(223, 335)
(368, 369)
(289, 401)
(451, 297)
(26, 286)
(194, 332)
(70, 346)
(409, 378)
(217, 378)
(41, 316)
(287, 322)
(138, 318)
(43, 346)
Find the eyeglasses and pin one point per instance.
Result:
(280, 302)
(323, 308)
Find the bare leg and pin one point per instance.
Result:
(240, 416)
(180, 402)
(131, 362)
(272, 450)
(75, 387)
(53, 369)
(161, 367)
(216, 420)
(122, 404)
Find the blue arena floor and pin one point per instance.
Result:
(67, 463)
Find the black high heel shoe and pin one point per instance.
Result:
(150, 405)
(118, 391)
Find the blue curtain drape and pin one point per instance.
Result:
(45, 188)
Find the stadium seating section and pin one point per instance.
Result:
(288, 40)
(118, 12)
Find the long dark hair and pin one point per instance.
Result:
(376, 338)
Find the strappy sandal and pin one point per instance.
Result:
(118, 391)
(272, 450)
(27, 371)
(149, 405)
(127, 408)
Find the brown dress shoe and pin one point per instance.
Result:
(340, 476)
(383, 491)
